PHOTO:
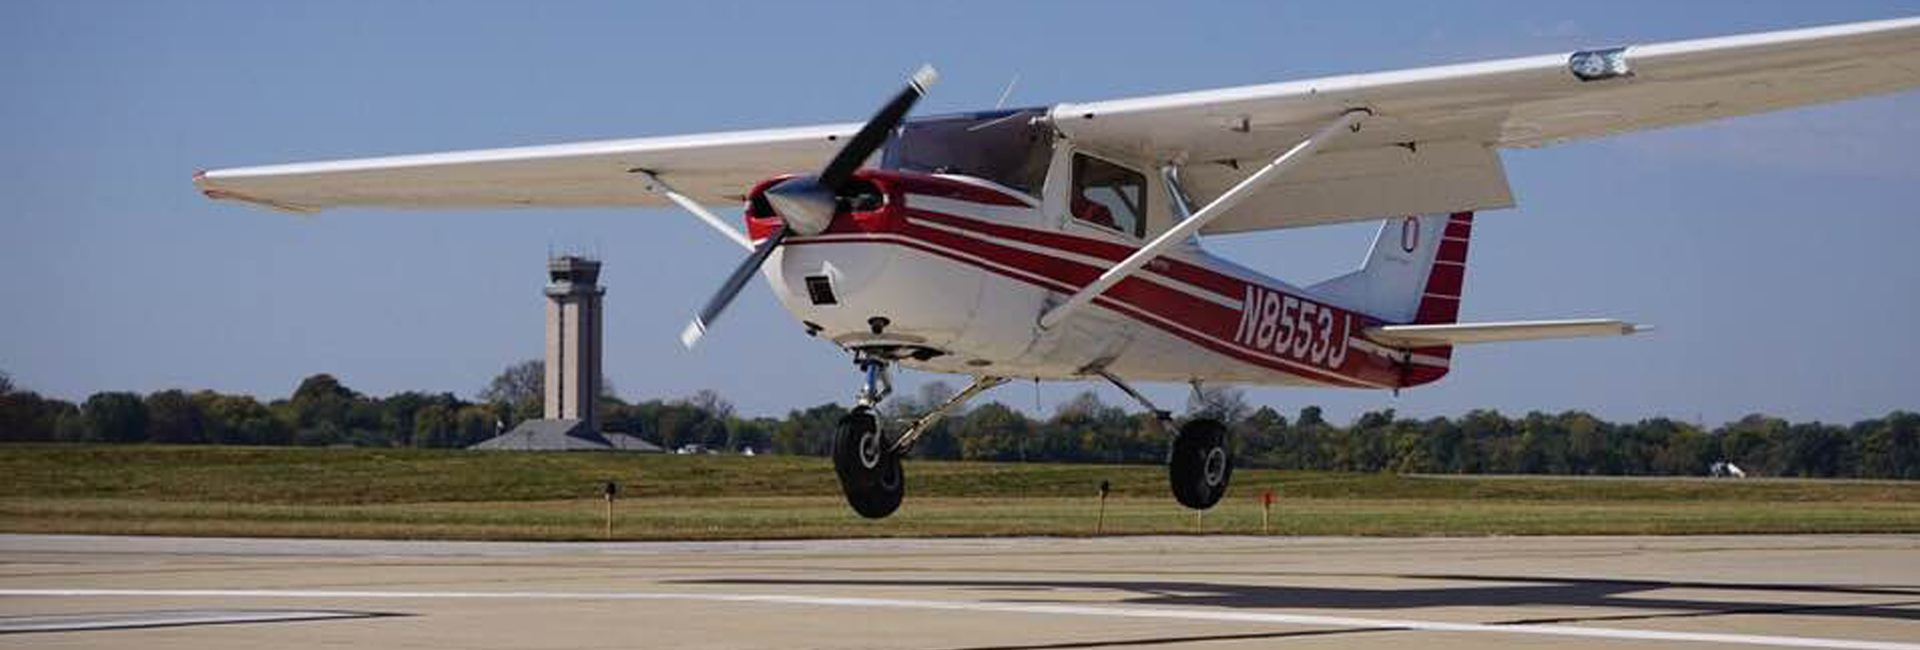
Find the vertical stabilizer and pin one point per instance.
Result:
(1414, 273)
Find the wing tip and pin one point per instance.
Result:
(205, 181)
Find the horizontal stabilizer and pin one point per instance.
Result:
(1413, 336)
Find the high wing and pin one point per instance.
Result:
(1430, 145)
(712, 168)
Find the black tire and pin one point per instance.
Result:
(1201, 465)
(870, 473)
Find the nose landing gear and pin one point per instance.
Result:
(868, 463)
(869, 471)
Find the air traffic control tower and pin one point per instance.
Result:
(572, 380)
(573, 339)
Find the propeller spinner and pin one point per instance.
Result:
(805, 204)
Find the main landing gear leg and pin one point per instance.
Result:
(1199, 466)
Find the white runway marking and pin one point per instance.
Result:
(1013, 608)
(125, 620)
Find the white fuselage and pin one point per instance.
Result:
(963, 269)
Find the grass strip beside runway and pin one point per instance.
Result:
(506, 495)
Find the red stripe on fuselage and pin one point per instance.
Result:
(1366, 375)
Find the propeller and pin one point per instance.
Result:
(805, 204)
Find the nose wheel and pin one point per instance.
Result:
(869, 469)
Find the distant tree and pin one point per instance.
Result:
(241, 420)
(518, 385)
(993, 431)
(174, 418)
(1750, 443)
(25, 416)
(1365, 446)
(322, 386)
(1098, 431)
(680, 423)
(755, 434)
(1310, 416)
(1684, 449)
(433, 427)
(711, 403)
(1813, 449)
(399, 411)
(115, 417)
(6, 383)
(1542, 448)
(473, 424)
(71, 427)
(323, 399)
(1445, 445)
(1263, 435)
(1220, 402)
(809, 432)
(1890, 446)
(323, 434)
(1590, 448)
(1305, 444)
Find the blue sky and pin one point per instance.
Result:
(1775, 253)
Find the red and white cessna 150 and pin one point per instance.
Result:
(1061, 242)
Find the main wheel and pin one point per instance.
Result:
(869, 471)
(1200, 466)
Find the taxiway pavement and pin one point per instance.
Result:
(1005, 594)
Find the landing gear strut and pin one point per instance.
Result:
(1199, 466)
(866, 461)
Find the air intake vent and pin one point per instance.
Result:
(820, 290)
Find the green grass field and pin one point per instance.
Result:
(507, 495)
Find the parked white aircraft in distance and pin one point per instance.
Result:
(1059, 243)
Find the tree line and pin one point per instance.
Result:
(323, 412)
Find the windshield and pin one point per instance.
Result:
(1005, 147)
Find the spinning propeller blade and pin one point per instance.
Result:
(799, 201)
(718, 303)
(875, 132)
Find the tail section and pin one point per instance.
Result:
(1414, 274)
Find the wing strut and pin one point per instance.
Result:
(1181, 231)
(653, 185)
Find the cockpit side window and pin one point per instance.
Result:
(1006, 147)
(1108, 195)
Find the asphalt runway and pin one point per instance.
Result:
(1003, 594)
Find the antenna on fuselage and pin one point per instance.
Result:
(1004, 94)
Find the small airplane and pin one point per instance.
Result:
(1062, 242)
